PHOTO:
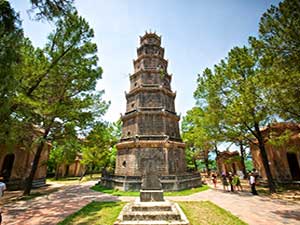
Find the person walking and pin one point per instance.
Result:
(214, 180)
(2, 189)
(237, 183)
(230, 179)
(224, 181)
(252, 182)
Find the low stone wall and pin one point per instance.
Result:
(18, 184)
(169, 183)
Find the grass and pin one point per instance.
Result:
(205, 212)
(73, 180)
(98, 213)
(106, 213)
(136, 193)
(114, 192)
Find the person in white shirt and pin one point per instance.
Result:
(252, 182)
(2, 189)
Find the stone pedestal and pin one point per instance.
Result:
(149, 213)
(152, 195)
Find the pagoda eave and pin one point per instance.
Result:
(151, 56)
(132, 76)
(150, 88)
(138, 112)
(150, 35)
(150, 144)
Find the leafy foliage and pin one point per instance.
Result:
(279, 49)
(98, 150)
(200, 137)
(233, 90)
(254, 85)
(50, 9)
(11, 37)
(58, 82)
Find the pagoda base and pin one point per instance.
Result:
(169, 183)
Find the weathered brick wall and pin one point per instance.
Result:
(151, 124)
(150, 50)
(129, 127)
(166, 161)
(151, 63)
(278, 162)
(172, 128)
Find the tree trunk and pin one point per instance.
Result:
(242, 151)
(264, 158)
(82, 175)
(29, 180)
(216, 150)
(207, 166)
(195, 164)
(57, 172)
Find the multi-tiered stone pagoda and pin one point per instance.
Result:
(150, 134)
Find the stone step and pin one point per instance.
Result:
(157, 222)
(151, 213)
(151, 208)
(155, 215)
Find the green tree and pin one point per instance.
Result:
(200, 136)
(11, 38)
(98, 151)
(61, 88)
(234, 88)
(51, 9)
(279, 48)
(65, 148)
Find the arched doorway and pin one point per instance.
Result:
(7, 166)
(294, 165)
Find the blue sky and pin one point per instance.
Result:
(195, 35)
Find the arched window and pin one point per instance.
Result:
(7, 166)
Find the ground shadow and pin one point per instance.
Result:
(288, 214)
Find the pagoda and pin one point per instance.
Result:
(150, 131)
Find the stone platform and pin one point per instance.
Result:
(152, 213)
(169, 183)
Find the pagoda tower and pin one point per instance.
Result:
(150, 131)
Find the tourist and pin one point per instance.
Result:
(252, 182)
(214, 180)
(224, 181)
(255, 174)
(237, 183)
(2, 189)
(0, 215)
(230, 179)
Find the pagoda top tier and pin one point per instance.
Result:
(150, 39)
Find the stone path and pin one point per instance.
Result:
(49, 210)
(251, 209)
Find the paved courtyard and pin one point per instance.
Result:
(55, 207)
